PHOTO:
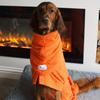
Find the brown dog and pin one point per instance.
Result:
(47, 18)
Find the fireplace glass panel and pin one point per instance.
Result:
(15, 32)
(16, 35)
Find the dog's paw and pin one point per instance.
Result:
(97, 82)
(82, 82)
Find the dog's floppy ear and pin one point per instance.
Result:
(34, 22)
(60, 23)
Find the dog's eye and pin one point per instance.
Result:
(52, 11)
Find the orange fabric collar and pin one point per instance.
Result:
(45, 40)
(46, 50)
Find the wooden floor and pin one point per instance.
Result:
(6, 86)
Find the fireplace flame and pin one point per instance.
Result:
(15, 40)
(66, 45)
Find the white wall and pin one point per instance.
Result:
(91, 28)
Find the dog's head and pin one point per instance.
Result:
(47, 18)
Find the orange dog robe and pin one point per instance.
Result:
(48, 64)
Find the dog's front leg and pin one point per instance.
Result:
(38, 97)
(58, 95)
(36, 94)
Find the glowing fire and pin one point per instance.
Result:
(66, 45)
(24, 42)
(15, 40)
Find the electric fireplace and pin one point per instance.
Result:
(16, 35)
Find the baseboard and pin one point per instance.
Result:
(10, 72)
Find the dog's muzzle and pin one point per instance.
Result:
(45, 20)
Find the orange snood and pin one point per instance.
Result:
(48, 64)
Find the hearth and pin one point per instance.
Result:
(16, 35)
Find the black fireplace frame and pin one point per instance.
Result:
(5, 12)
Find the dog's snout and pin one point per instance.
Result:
(45, 20)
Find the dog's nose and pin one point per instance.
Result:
(45, 20)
